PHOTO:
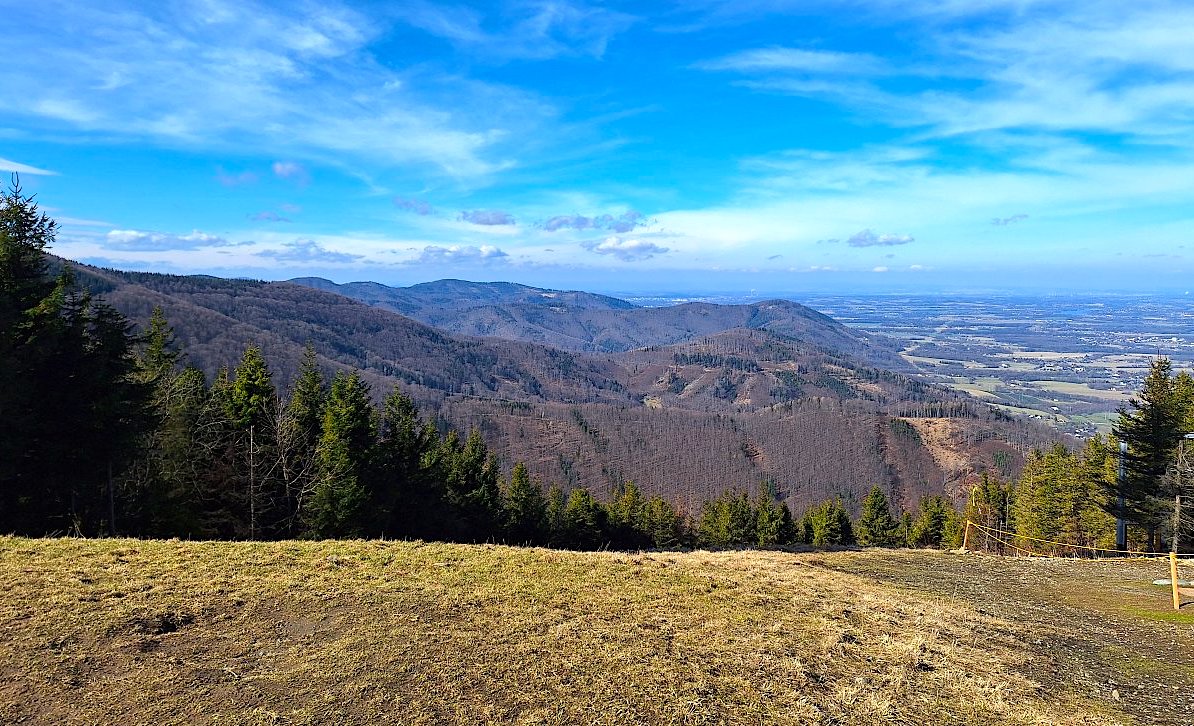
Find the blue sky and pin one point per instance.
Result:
(698, 146)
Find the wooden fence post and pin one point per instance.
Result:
(1177, 596)
(966, 537)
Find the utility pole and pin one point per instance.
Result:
(1121, 524)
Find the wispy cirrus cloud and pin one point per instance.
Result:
(797, 60)
(16, 167)
(252, 77)
(533, 31)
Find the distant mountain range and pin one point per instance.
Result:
(591, 391)
(582, 321)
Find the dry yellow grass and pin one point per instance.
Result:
(127, 631)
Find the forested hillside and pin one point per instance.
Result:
(204, 426)
(761, 407)
(581, 321)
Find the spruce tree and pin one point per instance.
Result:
(932, 527)
(407, 499)
(557, 504)
(584, 522)
(339, 504)
(298, 434)
(252, 411)
(626, 517)
(828, 524)
(471, 479)
(662, 524)
(769, 522)
(1151, 425)
(876, 526)
(526, 508)
(71, 409)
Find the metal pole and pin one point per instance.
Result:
(1121, 524)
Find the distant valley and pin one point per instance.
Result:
(592, 391)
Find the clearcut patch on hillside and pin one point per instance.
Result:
(128, 631)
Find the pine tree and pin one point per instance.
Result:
(526, 509)
(876, 526)
(71, 409)
(407, 498)
(584, 521)
(299, 430)
(936, 523)
(557, 503)
(662, 524)
(338, 506)
(1152, 426)
(626, 518)
(769, 522)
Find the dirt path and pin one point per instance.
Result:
(1101, 627)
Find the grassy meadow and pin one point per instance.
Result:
(133, 631)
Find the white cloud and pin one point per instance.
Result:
(439, 255)
(797, 60)
(131, 239)
(488, 217)
(291, 171)
(248, 77)
(19, 168)
(867, 238)
(535, 31)
(309, 252)
(879, 269)
(626, 250)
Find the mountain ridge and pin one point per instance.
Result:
(744, 407)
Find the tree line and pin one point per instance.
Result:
(107, 431)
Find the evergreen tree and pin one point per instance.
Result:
(626, 518)
(71, 409)
(407, 499)
(298, 433)
(662, 524)
(180, 459)
(876, 526)
(1151, 425)
(526, 509)
(557, 504)
(934, 523)
(252, 404)
(769, 522)
(338, 506)
(988, 505)
(728, 521)
(584, 521)
(471, 479)
(828, 524)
